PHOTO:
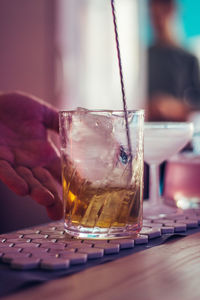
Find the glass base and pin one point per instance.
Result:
(184, 202)
(151, 209)
(102, 233)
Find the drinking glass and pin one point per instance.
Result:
(161, 141)
(102, 174)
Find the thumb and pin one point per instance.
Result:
(51, 118)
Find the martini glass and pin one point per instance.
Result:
(161, 141)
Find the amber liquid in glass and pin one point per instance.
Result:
(102, 207)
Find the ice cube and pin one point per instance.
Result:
(101, 125)
(93, 146)
(85, 123)
(95, 150)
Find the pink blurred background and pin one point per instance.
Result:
(27, 64)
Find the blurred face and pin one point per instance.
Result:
(161, 14)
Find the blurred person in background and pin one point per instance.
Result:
(173, 73)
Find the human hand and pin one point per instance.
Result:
(167, 108)
(29, 162)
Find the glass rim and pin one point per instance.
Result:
(165, 124)
(136, 111)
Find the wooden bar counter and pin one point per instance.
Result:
(168, 272)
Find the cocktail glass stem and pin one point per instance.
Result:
(154, 185)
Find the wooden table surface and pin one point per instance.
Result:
(168, 272)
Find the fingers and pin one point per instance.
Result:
(48, 112)
(51, 119)
(22, 182)
(36, 190)
(6, 154)
(55, 211)
(43, 190)
(9, 176)
(55, 169)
